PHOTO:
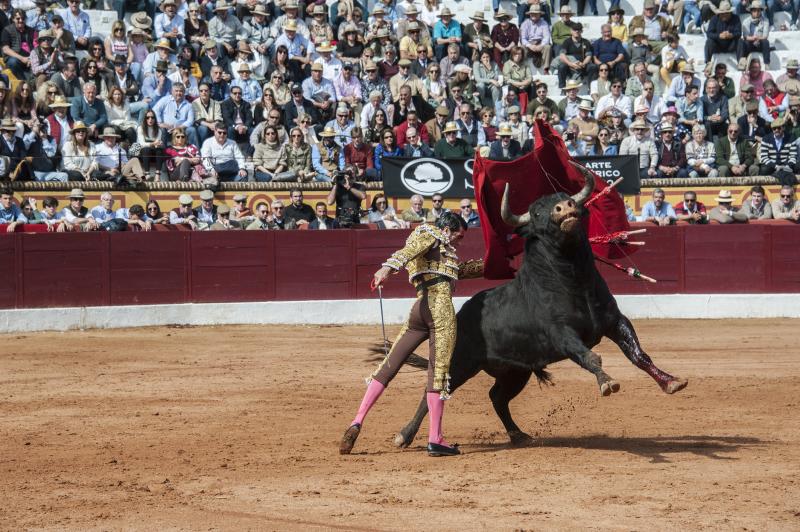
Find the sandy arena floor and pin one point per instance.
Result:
(238, 427)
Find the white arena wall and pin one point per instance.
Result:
(367, 312)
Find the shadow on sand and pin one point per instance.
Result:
(656, 449)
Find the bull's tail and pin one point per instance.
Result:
(377, 354)
(544, 377)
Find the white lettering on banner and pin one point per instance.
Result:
(604, 169)
(468, 164)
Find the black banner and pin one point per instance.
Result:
(403, 177)
(452, 178)
(612, 167)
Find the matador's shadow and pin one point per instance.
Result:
(657, 449)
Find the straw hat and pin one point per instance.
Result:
(724, 7)
(535, 8)
(209, 44)
(3, 86)
(328, 132)
(325, 47)
(504, 130)
(778, 122)
(222, 5)
(666, 126)
(446, 13)
(572, 84)
(450, 127)
(291, 4)
(756, 4)
(639, 124)
(223, 209)
(404, 63)
(290, 25)
(244, 67)
(46, 34)
(319, 9)
(166, 3)
(617, 9)
(242, 46)
(7, 124)
(76, 193)
(586, 105)
(378, 10)
(59, 101)
(792, 63)
(565, 10)
(478, 16)
(261, 10)
(185, 199)
(316, 67)
(141, 21)
(502, 14)
(240, 197)
(725, 196)
(206, 195)
(412, 10)
(164, 43)
(109, 131)
(412, 26)
(688, 68)
(513, 109)
(79, 126)
(442, 111)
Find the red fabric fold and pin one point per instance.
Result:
(543, 171)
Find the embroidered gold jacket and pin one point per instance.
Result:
(428, 251)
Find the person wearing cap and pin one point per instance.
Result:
(671, 153)
(535, 37)
(792, 118)
(755, 34)
(257, 30)
(789, 82)
(163, 54)
(715, 109)
(641, 145)
(778, 154)
(78, 23)
(451, 146)
(183, 75)
(222, 156)
(585, 121)
(677, 88)
(225, 29)
(723, 32)
(404, 78)
(113, 163)
(183, 214)
(446, 31)
(224, 221)
(658, 211)
(785, 206)
(504, 148)
(331, 66)
(168, 24)
(477, 36)
(655, 26)
(290, 21)
(568, 106)
(89, 110)
(320, 92)
(206, 213)
(725, 212)
(45, 59)
(211, 58)
(576, 57)
(75, 214)
(735, 154)
(737, 106)
(327, 158)
(436, 125)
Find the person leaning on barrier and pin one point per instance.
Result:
(224, 222)
(778, 155)
(658, 211)
(757, 207)
(786, 207)
(690, 210)
(76, 214)
(725, 212)
(183, 214)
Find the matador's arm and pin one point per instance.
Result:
(470, 269)
(419, 242)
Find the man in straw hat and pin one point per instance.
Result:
(44, 59)
(641, 145)
(756, 33)
(290, 21)
(113, 162)
(327, 157)
(725, 212)
(59, 123)
(331, 66)
(778, 154)
(411, 43)
(504, 148)
(225, 28)
(671, 154)
(411, 15)
(452, 147)
(168, 24)
(585, 121)
(257, 30)
(505, 36)
(561, 30)
(789, 82)
(723, 32)
(251, 89)
(568, 106)
(535, 37)
(477, 36)
(12, 147)
(655, 26)
(298, 47)
(75, 214)
(162, 52)
(446, 31)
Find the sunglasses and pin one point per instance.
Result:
(296, 136)
(52, 93)
(236, 93)
(437, 201)
(271, 133)
(277, 208)
(152, 208)
(786, 195)
(221, 132)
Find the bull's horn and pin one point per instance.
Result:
(509, 217)
(588, 187)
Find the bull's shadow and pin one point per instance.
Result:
(657, 449)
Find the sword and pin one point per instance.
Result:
(383, 322)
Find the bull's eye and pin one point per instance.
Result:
(571, 203)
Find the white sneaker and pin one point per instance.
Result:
(793, 27)
(690, 26)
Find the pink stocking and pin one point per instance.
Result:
(374, 390)
(435, 411)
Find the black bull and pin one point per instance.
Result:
(557, 307)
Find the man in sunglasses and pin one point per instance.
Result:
(690, 210)
(223, 157)
(786, 207)
(778, 155)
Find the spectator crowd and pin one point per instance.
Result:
(300, 92)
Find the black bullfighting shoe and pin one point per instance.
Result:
(349, 438)
(435, 449)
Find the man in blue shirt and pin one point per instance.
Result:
(175, 111)
(445, 31)
(609, 50)
(159, 86)
(9, 212)
(658, 211)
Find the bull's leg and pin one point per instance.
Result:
(590, 361)
(506, 387)
(624, 336)
(407, 433)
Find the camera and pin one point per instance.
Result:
(570, 135)
(341, 176)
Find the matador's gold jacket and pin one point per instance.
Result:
(428, 251)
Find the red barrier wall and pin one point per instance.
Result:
(129, 268)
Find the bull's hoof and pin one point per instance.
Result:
(520, 439)
(675, 385)
(401, 441)
(609, 387)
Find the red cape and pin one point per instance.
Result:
(539, 173)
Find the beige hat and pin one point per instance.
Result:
(291, 4)
(244, 67)
(141, 21)
(442, 111)
(109, 131)
(478, 16)
(290, 25)
(502, 14)
(666, 126)
(450, 127)
(7, 124)
(445, 13)
(756, 4)
(59, 101)
(316, 67)
(565, 10)
(166, 3)
(639, 124)
(378, 10)
(513, 109)
(535, 8)
(725, 196)
(383, 32)
(240, 197)
(223, 209)
(404, 63)
(328, 132)
(413, 26)
(688, 68)
(164, 43)
(319, 9)
(3, 85)
(462, 68)
(206, 195)
(504, 130)
(778, 122)
(76, 193)
(412, 10)
(79, 126)
(242, 46)
(792, 63)
(649, 4)
(586, 105)
(222, 5)
(724, 7)
(572, 84)
(46, 34)
(185, 199)
(209, 44)
(261, 10)
(370, 65)
(324, 47)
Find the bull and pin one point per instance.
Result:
(557, 307)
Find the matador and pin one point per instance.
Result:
(433, 267)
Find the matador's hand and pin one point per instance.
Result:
(380, 276)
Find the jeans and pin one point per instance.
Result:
(262, 177)
(229, 171)
(322, 178)
(691, 12)
(51, 176)
(774, 6)
(203, 133)
(138, 110)
(16, 67)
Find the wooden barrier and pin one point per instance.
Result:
(130, 268)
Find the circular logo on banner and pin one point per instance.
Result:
(427, 176)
